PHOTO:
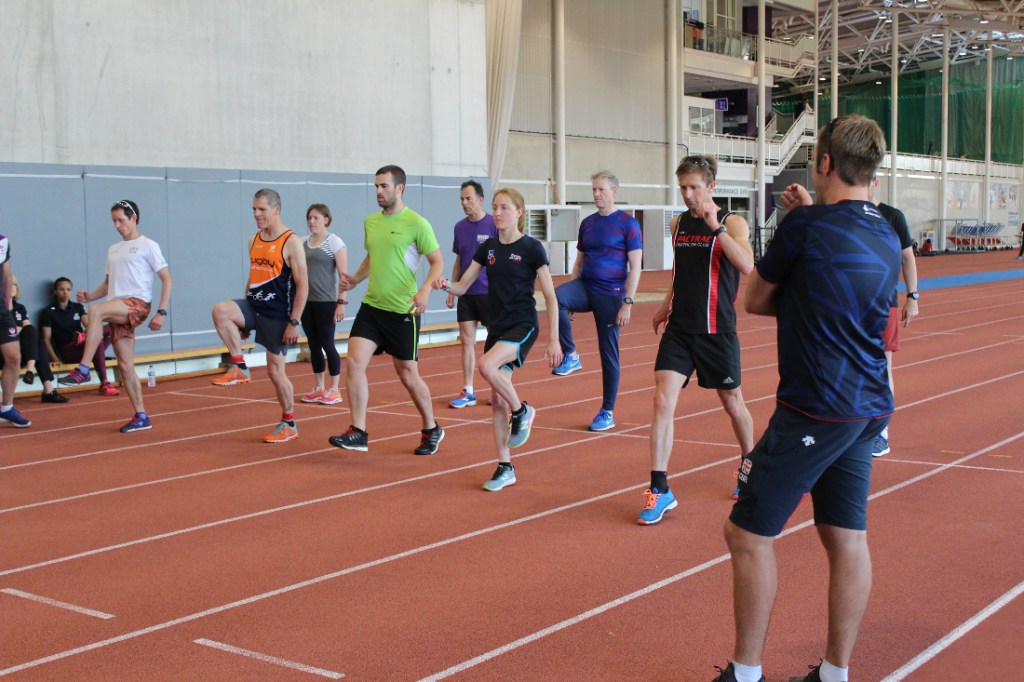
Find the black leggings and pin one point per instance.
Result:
(318, 323)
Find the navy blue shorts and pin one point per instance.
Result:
(522, 336)
(797, 454)
(269, 333)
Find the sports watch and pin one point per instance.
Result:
(720, 230)
(914, 295)
(294, 323)
(627, 300)
(161, 311)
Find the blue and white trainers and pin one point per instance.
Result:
(464, 400)
(603, 421)
(655, 506)
(519, 427)
(570, 363)
(880, 446)
(14, 417)
(137, 424)
(504, 476)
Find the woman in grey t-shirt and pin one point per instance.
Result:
(326, 258)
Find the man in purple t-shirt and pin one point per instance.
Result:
(604, 280)
(470, 232)
(8, 341)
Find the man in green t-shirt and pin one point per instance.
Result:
(388, 321)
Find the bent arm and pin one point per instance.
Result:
(760, 296)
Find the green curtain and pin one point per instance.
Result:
(920, 114)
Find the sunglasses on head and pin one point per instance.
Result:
(699, 161)
(128, 210)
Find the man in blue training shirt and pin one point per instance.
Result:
(604, 280)
(826, 276)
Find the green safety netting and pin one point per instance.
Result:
(920, 110)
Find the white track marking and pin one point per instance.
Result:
(955, 634)
(330, 674)
(55, 602)
(586, 615)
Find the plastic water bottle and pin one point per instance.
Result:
(152, 377)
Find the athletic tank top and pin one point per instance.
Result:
(271, 290)
(704, 282)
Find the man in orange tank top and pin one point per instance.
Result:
(274, 298)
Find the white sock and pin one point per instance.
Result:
(5, 408)
(746, 673)
(468, 389)
(885, 433)
(829, 673)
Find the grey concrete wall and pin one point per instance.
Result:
(317, 85)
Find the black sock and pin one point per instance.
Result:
(241, 365)
(521, 411)
(659, 481)
(290, 423)
(505, 465)
(356, 429)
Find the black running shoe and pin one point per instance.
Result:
(429, 441)
(353, 439)
(728, 675)
(812, 676)
(54, 397)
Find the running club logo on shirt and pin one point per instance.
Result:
(490, 256)
(515, 257)
(481, 238)
(683, 239)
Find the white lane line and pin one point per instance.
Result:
(586, 615)
(55, 602)
(339, 573)
(955, 634)
(330, 674)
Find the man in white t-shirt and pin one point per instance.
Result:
(131, 264)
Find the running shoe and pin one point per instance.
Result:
(504, 476)
(109, 390)
(353, 439)
(30, 377)
(76, 378)
(283, 433)
(54, 397)
(235, 375)
(880, 446)
(519, 427)
(429, 440)
(14, 417)
(655, 506)
(813, 676)
(603, 421)
(331, 396)
(313, 396)
(137, 424)
(729, 674)
(464, 400)
(570, 363)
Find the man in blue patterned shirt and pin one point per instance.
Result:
(826, 276)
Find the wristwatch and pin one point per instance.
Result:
(342, 301)
(720, 230)
(627, 300)
(294, 323)
(161, 311)
(914, 295)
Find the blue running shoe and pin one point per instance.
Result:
(603, 421)
(570, 363)
(880, 446)
(14, 417)
(519, 427)
(655, 506)
(464, 400)
(76, 378)
(504, 476)
(137, 424)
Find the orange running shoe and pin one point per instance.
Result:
(314, 396)
(235, 375)
(282, 434)
(109, 390)
(331, 396)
